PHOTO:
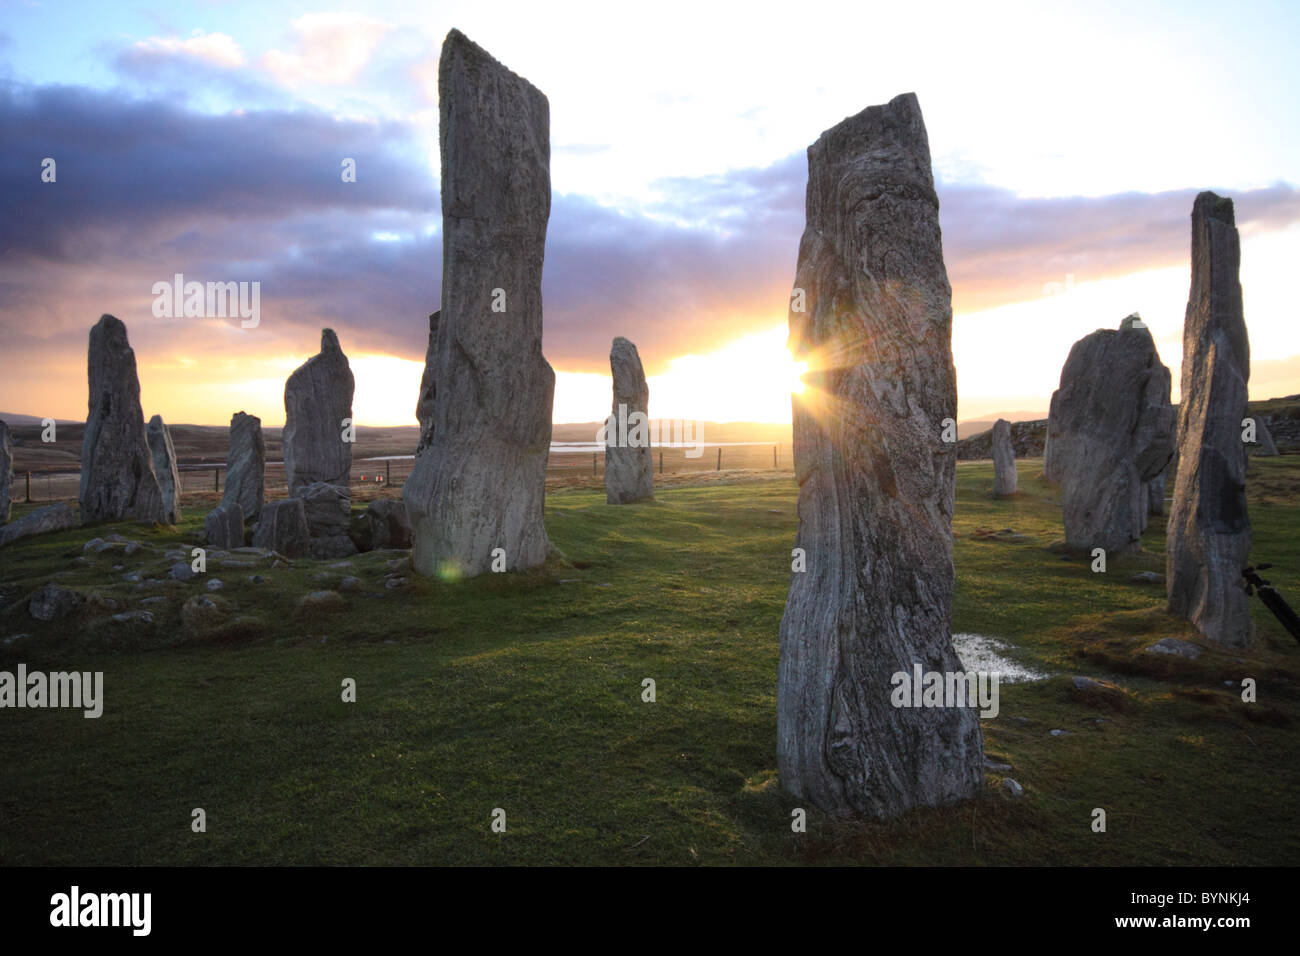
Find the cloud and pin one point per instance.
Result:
(146, 189)
(218, 49)
(332, 48)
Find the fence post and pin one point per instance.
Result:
(29, 487)
(773, 457)
(719, 458)
(593, 464)
(388, 472)
(216, 479)
(661, 461)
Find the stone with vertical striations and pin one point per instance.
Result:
(1004, 459)
(876, 483)
(428, 389)
(481, 483)
(282, 527)
(317, 404)
(223, 526)
(246, 465)
(1112, 428)
(6, 471)
(117, 477)
(164, 467)
(1208, 532)
(629, 462)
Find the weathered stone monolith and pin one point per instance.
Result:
(876, 484)
(6, 471)
(317, 438)
(117, 476)
(246, 465)
(317, 413)
(163, 453)
(481, 483)
(1208, 532)
(1004, 459)
(428, 388)
(629, 462)
(1112, 430)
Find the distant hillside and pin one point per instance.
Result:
(976, 426)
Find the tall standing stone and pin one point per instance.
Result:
(629, 461)
(428, 388)
(1263, 446)
(1156, 495)
(163, 452)
(876, 483)
(1208, 530)
(317, 408)
(246, 466)
(1112, 428)
(6, 471)
(482, 483)
(1004, 459)
(117, 476)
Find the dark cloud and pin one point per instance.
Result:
(147, 189)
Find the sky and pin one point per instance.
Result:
(204, 138)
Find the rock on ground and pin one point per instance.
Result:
(1004, 459)
(629, 462)
(55, 517)
(1208, 532)
(224, 526)
(481, 483)
(389, 527)
(246, 465)
(117, 476)
(876, 483)
(51, 601)
(163, 452)
(283, 528)
(1111, 427)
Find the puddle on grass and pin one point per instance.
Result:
(981, 653)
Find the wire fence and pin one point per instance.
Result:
(198, 478)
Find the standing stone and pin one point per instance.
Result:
(317, 407)
(1112, 428)
(6, 472)
(246, 465)
(629, 462)
(283, 528)
(117, 476)
(223, 527)
(1156, 495)
(1263, 446)
(317, 454)
(163, 452)
(482, 483)
(876, 483)
(428, 388)
(1209, 530)
(1004, 459)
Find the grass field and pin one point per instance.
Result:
(524, 692)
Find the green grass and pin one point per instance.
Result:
(523, 692)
